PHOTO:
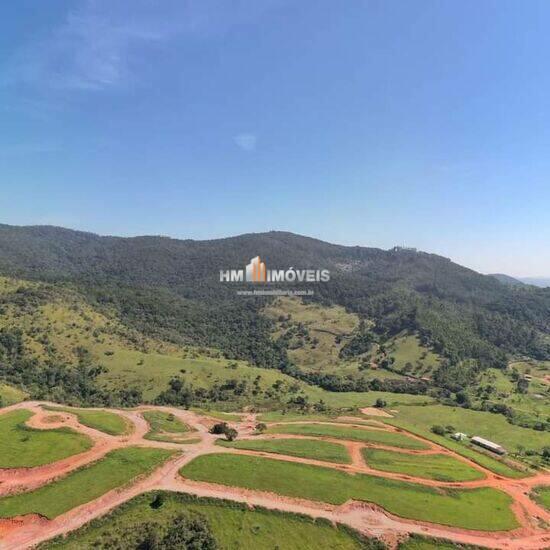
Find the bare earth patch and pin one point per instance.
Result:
(53, 419)
(373, 411)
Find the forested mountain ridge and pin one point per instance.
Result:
(170, 289)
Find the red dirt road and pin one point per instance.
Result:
(24, 532)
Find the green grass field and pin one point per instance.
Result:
(233, 525)
(114, 470)
(23, 447)
(351, 433)
(103, 421)
(305, 448)
(542, 496)
(165, 427)
(10, 395)
(439, 467)
(483, 509)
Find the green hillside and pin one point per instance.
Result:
(89, 320)
(171, 287)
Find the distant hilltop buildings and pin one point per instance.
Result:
(404, 249)
(413, 250)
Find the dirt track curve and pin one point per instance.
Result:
(24, 532)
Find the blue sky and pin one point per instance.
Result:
(377, 123)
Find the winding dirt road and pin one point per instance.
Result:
(27, 531)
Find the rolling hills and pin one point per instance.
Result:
(170, 288)
(91, 319)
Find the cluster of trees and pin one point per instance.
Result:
(360, 342)
(184, 532)
(348, 383)
(223, 428)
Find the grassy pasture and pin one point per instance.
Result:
(151, 372)
(439, 467)
(304, 448)
(485, 509)
(24, 447)
(164, 426)
(114, 470)
(234, 525)
(328, 329)
(103, 421)
(351, 433)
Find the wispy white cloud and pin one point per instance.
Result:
(98, 45)
(246, 141)
(91, 50)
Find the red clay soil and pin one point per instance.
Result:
(25, 532)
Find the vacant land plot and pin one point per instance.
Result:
(305, 448)
(115, 470)
(542, 496)
(365, 435)
(484, 509)
(292, 416)
(233, 526)
(439, 467)
(164, 426)
(104, 421)
(24, 447)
